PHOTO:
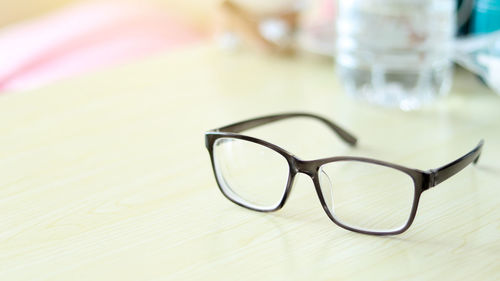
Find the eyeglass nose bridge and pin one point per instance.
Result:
(306, 167)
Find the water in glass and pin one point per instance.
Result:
(395, 52)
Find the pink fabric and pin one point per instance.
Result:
(85, 37)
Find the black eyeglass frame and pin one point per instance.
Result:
(423, 180)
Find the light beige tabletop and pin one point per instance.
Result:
(106, 177)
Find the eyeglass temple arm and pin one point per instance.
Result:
(252, 123)
(445, 172)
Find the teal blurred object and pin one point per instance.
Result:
(485, 16)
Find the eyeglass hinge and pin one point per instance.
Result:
(432, 178)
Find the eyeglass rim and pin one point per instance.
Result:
(417, 176)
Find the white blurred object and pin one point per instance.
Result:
(269, 26)
(481, 55)
(275, 30)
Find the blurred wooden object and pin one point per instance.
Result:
(245, 23)
(106, 177)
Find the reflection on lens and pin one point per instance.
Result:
(249, 173)
(367, 196)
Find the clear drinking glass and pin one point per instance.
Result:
(395, 52)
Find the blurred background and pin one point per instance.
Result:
(390, 52)
(46, 40)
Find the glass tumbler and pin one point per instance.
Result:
(395, 53)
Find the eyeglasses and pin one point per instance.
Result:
(359, 194)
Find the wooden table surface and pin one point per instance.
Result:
(106, 177)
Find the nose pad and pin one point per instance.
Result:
(326, 189)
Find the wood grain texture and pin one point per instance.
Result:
(106, 177)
